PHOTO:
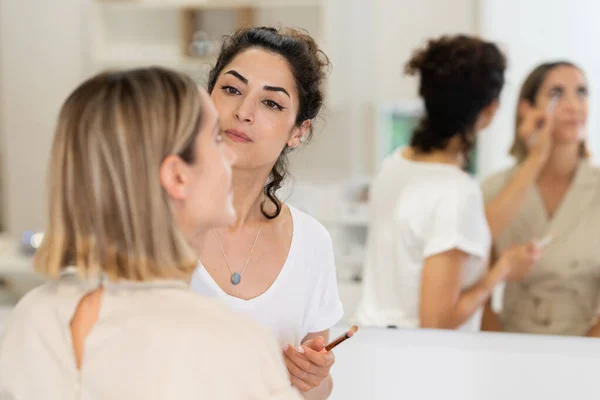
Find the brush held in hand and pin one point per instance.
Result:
(342, 338)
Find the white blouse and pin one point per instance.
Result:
(152, 340)
(304, 297)
(419, 210)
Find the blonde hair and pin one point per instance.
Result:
(108, 211)
(529, 92)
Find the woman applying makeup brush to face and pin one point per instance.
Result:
(274, 263)
(553, 190)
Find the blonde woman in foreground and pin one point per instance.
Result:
(133, 151)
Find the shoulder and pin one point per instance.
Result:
(35, 303)
(308, 228)
(200, 322)
(593, 171)
(184, 308)
(493, 183)
(36, 312)
(455, 188)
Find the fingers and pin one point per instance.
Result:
(535, 122)
(300, 384)
(322, 359)
(316, 344)
(309, 380)
(318, 364)
(301, 376)
(299, 360)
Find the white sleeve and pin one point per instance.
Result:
(457, 221)
(329, 306)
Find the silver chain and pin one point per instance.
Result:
(249, 255)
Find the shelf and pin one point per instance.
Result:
(204, 5)
(179, 63)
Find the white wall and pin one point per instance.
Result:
(43, 53)
(372, 41)
(403, 25)
(41, 61)
(532, 32)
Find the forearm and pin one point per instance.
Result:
(468, 302)
(502, 209)
(594, 330)
(321, 392)
(490, 321)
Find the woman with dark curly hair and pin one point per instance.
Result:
(275, 263)
(429, 241)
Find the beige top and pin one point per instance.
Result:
(152, 340)
(560, 296)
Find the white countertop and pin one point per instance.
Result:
(448, 365)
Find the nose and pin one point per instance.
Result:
(245, 111)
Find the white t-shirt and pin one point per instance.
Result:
(153, 341)
(418, 210)
(304, 297)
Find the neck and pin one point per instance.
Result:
(248, 195)
(452, 154)
(195, 239)
(562, 163)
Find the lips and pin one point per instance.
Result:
(238, 136)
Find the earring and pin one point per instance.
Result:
(302, 139)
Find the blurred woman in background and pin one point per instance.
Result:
(552, 192)
(428, 244)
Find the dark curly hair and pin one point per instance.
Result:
(459, 76)
(308, 64)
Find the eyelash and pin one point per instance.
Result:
(231, 91)
(273, 105)
(581, 92)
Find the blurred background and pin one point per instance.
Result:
(48, 47)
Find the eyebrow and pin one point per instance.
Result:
(237, 75)
(266, 87)
(276, 89)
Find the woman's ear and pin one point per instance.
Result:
(524, 107)
(486, 116)
(299, 135)
(172, 177)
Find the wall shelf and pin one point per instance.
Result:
(137, 33)
(204, 5)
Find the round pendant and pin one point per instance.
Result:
(236, 278)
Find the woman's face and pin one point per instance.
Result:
(569, 86)
(202, 190)
(257, 101)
